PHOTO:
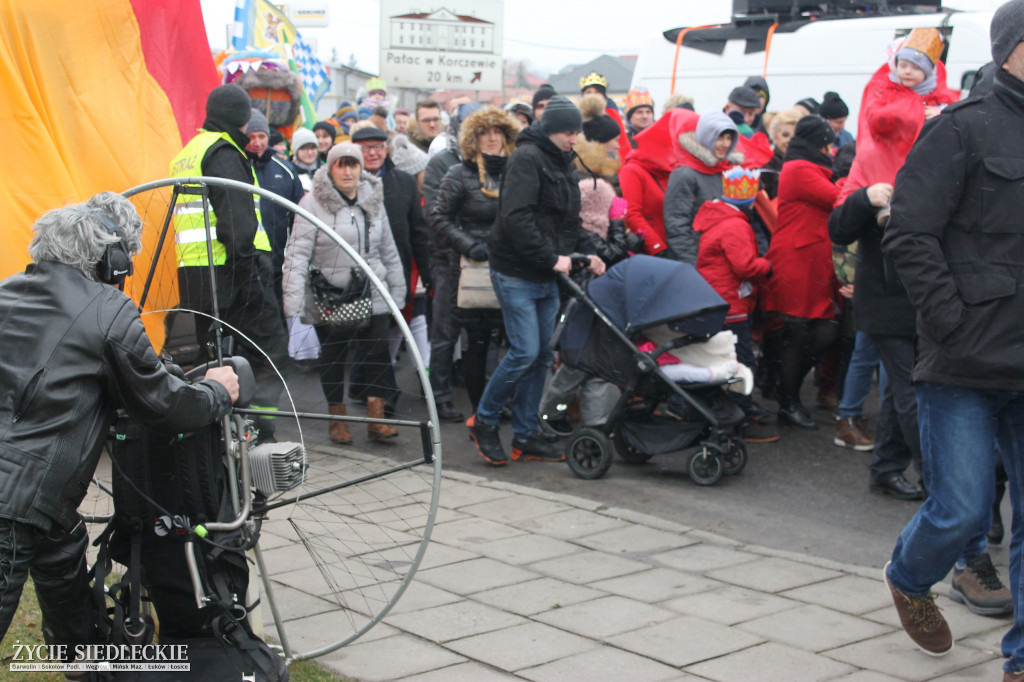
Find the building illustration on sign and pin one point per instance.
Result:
(441, 29)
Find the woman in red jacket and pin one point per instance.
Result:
(802, 290)
(644, 176)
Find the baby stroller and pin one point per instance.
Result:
(638, 294)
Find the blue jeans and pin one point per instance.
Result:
(963, 430)
(529, 310)
(859, 375)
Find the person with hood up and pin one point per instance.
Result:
(803, 286)
(538, 226)
(645, 174)
(461, 217)
(444, 332)
(730, 263)
(351, 202)
(905, 92)
(760, 87)
(701, 156)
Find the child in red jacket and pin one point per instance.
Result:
(728, 259)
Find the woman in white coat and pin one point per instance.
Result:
(349, 201)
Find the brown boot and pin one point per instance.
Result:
(338, 431)
(375, 410)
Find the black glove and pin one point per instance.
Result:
(477, 252)
(634, 242)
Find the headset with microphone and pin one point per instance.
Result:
(116, 262)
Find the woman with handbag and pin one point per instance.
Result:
(324, 287)
(467, 203)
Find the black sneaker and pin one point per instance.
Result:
(447, 412)
(488, 444)
(559, 426)
(536, 448)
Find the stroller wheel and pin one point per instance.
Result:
(705, 467)
(627, 453)
(735, 458)
(589, 454)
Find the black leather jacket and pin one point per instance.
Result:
(462, 214)
(74, 351)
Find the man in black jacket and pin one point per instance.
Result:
(957, 241)
(409, 227)
(538, 226)
(883, 310)
(444, 266)
(74, 351)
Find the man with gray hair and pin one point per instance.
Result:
(74, 352)
(957, 242)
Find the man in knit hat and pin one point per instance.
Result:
(746, 103)
(540, 99)
(276, 174)
(537, 227)
(957, 243)
(834, 110)
(241, 250)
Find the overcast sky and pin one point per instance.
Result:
(548, 33)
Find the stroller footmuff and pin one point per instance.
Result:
(655, 415)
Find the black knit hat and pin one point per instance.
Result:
(543, 94)
(369, 133)
(275, 138)
(815, 130)
(561, 116)
(833, 106)
(601, 129)
(326, 127)
(809, 103)
(229, 104)
(1007, 30)
(745, 97)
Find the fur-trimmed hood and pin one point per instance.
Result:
(594, 156)
(481, 120)
(369, 193)
(704, 157)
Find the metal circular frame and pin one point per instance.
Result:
(412, 349)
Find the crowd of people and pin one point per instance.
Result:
(781, 209)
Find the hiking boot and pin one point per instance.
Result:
(921, 620)
(756, 432)
(488, 444)
(559, 426)
(536, 448)
(338, 431)
(979, 588)
(850, 434)
(376, 409)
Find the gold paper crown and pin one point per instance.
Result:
(926, 40)
(593, 78)
(638, 97)
(740, 184)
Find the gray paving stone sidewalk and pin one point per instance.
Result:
(522, 584)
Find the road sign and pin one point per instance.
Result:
(441, 47)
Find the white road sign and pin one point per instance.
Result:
(453, 46)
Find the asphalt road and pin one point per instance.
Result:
(800, 494)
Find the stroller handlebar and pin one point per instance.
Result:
(580, 262)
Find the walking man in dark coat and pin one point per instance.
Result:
(957, 241)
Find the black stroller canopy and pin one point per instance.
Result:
(644, 291)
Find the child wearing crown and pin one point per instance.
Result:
(728, 259)
(905, 92)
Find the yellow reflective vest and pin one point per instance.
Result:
(188, 222)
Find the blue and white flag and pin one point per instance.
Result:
(315, 78)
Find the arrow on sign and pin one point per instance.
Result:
(476, 76)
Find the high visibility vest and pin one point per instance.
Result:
(188, 222)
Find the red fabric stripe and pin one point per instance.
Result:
(178, 57)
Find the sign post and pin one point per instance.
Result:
(444, 47)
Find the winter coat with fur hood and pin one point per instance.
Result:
(697, 179)
(349, 222)
(462, 215)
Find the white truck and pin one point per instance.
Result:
(805, 58)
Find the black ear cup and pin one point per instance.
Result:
(116, 262)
